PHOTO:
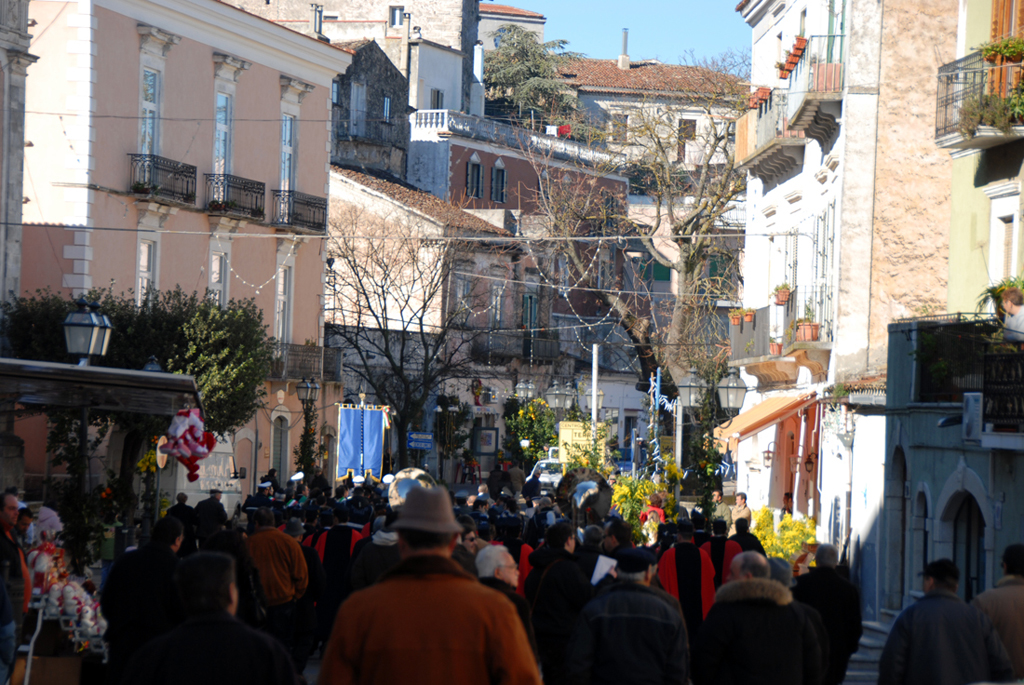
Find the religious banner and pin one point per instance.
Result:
(361, 439)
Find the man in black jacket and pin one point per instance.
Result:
(754, 632)
(187, 516)
(305, 608)
(838, 602)
(628, 633)
(941, 640)
(139, 600)
(747, 541)
(499, 571)
(210, 516)
(557, 591)
(211, 647)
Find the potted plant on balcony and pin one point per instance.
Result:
(792, 60)
(217, 206)
(807, 329)
(783, 71)
(143, 188)
(748, 315)
(735, 316)
(1011, 49)
(775, 347)
(799, 45)
(781, 293)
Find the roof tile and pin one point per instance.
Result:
(645, 75)
(450, 215)
(491, 8)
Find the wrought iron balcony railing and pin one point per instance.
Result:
(294, 362)
(300, 211)
(816, 86)
(226, 194)
(809, 315)
(541, 346)
(162, 177)
(976, 103)
(960, 82)
(492, 345)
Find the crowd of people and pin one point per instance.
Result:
(496, 587)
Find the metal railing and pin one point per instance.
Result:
(808, 304)
(333, 365)
(370, 130)
(226, 194)
(772, 121)
(456, 123)
(541, 346)
(750, 339)
(820, 69)
(960, 82)
(162, 177)
(950, 357)
(294, 362)
(492, 345)
(1003, 387)
(299, 210)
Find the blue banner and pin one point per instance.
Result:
(360, 440)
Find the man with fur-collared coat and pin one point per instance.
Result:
(755, 633)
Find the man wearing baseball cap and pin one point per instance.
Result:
(941, 640)
(427, 620)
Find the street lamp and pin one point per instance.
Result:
(526, 390)
(87, 332)
(308, 391)
(558, 397)
(731, 391)
(691, 393)
(768, 454)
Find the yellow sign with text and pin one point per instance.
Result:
(572, 433)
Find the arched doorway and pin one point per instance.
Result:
(969, 547)
(919, 543)
(896, 529)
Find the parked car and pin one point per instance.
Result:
(550, 473)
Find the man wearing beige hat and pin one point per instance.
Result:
(426, 620)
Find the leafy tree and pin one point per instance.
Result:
(523, 72)
(306, 451)
(451, 426)
(533, 421)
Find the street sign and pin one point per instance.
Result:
(420, 441)
(574, 434)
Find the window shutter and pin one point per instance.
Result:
(494, 184)
(469, 179)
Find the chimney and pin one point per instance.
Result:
(405, 56)
(624, 57)
(476, 88)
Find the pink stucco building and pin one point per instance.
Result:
(186, 142)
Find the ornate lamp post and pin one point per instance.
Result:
(308, 392)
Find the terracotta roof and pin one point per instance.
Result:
(278, 23)
(446, 213)
(743, 3)
(509, 10)
(647, 75)
(352, 44)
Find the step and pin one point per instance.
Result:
(874, 628)
(861, 677)
(871, 645)
(865, 661)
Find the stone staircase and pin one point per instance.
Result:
(863, 667)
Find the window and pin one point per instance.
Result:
(803, 22)
(498, 36)
(287, 152)
(436, 99)
(530, 302)
(386, 111)
(687, 133)
(150, 123)
(497, 304)
(282, 304)
(218, 278)
(147, 270)
(620, 128)
(662, 273)
(498, 182)
(357, 110)
(1007, 246)
(474, 178)
(463, 294)
(395, 17)
(222, 137)
(279, 459)
(336, 92)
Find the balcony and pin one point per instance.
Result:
(226, 194)
(1003, 400)
(491, 345)
(442, 123)
(164, 178)
(333, 365)
(949, 355)
(295, 362)
(765, 145)
(541, 346)
(749, 340)
(816, 88)
(300, 212)
(972, 104)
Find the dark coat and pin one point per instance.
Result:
(139, 602)
(587, 559)
(748, 542)
(372, 562)
(838, 602)
(187, 516)
(213, 649)
(628, 634)
(522, 608)
(305, 607)
(940, 640)
(210, 517)
(338, 542)
(557, 591)
(754, 633)
(531, 488)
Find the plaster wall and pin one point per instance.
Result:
(434, 68)
(490, 23)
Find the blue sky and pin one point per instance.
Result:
(665, 29)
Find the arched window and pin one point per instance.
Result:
(279, 457)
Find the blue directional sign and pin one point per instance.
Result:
(420, 441)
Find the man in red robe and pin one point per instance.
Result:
(687, 574)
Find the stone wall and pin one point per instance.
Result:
(910, 244)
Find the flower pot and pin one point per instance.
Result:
(783, 73)
(748, 317)
(991, 59)
(781, 297)
(775, 349)
(735, 320)
(800, 43)
(807, 332)
(792, 61)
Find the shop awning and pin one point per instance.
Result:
(30, 382)
(759, 417)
